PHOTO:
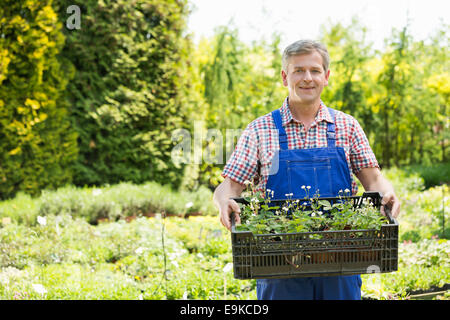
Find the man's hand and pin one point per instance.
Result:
(225, 213)
(373, 180)
(392, 202)
(224, 191)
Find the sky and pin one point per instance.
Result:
(299, 19)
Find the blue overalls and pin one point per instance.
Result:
(325, 170)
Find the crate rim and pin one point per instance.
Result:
(234, 231)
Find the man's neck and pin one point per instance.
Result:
(304, 113)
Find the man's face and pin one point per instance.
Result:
(305, 78)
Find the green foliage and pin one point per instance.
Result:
(399, 95)
(433, 175)
(110, 203)
(307, 215)
(349, 80)
(129, 89)
(238, 83)
(425, 214)
(423, 265)
(38, 145)
(71, 259)
(404, 181)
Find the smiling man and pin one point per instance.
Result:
(303, 143)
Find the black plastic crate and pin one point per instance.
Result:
(292, 255)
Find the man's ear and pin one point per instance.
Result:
(284, 78)
(327, 76)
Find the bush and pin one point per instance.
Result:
(424, 214)
(110, 202)
(38, 145)
(434, 175)
(129, 91)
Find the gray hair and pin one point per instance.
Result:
(304, 47)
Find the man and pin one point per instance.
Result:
(303, 143)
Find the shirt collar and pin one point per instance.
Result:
(322, 115)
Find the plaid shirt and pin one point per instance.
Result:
(252, 156)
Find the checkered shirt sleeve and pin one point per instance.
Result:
(361, 154)
(243, 163)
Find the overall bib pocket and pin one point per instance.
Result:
(315, 173)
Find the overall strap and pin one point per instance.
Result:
(282, 136)
(331, 130)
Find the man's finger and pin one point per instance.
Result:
(236, 209)
(393, 204)
(395, 209)
(225, 219)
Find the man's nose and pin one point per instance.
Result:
(307, 76)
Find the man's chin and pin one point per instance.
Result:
(303, 100)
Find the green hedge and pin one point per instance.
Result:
(127, 95)
(38, 146)
(111, 202)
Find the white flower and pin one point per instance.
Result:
(228, 267)
(247, 182)
(96, 192)
(313, 214)
(291, 194)
(39, 288)
(308, 187)
(320, 213)
(189, 204)
(268, 190)
(42, 220)
(303, 187)
(175, 263)
(139, 250)
(285, 208)
(346, 191)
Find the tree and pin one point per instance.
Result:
(37, 143)
(349, 80)
(240, 83)
(129, 90)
